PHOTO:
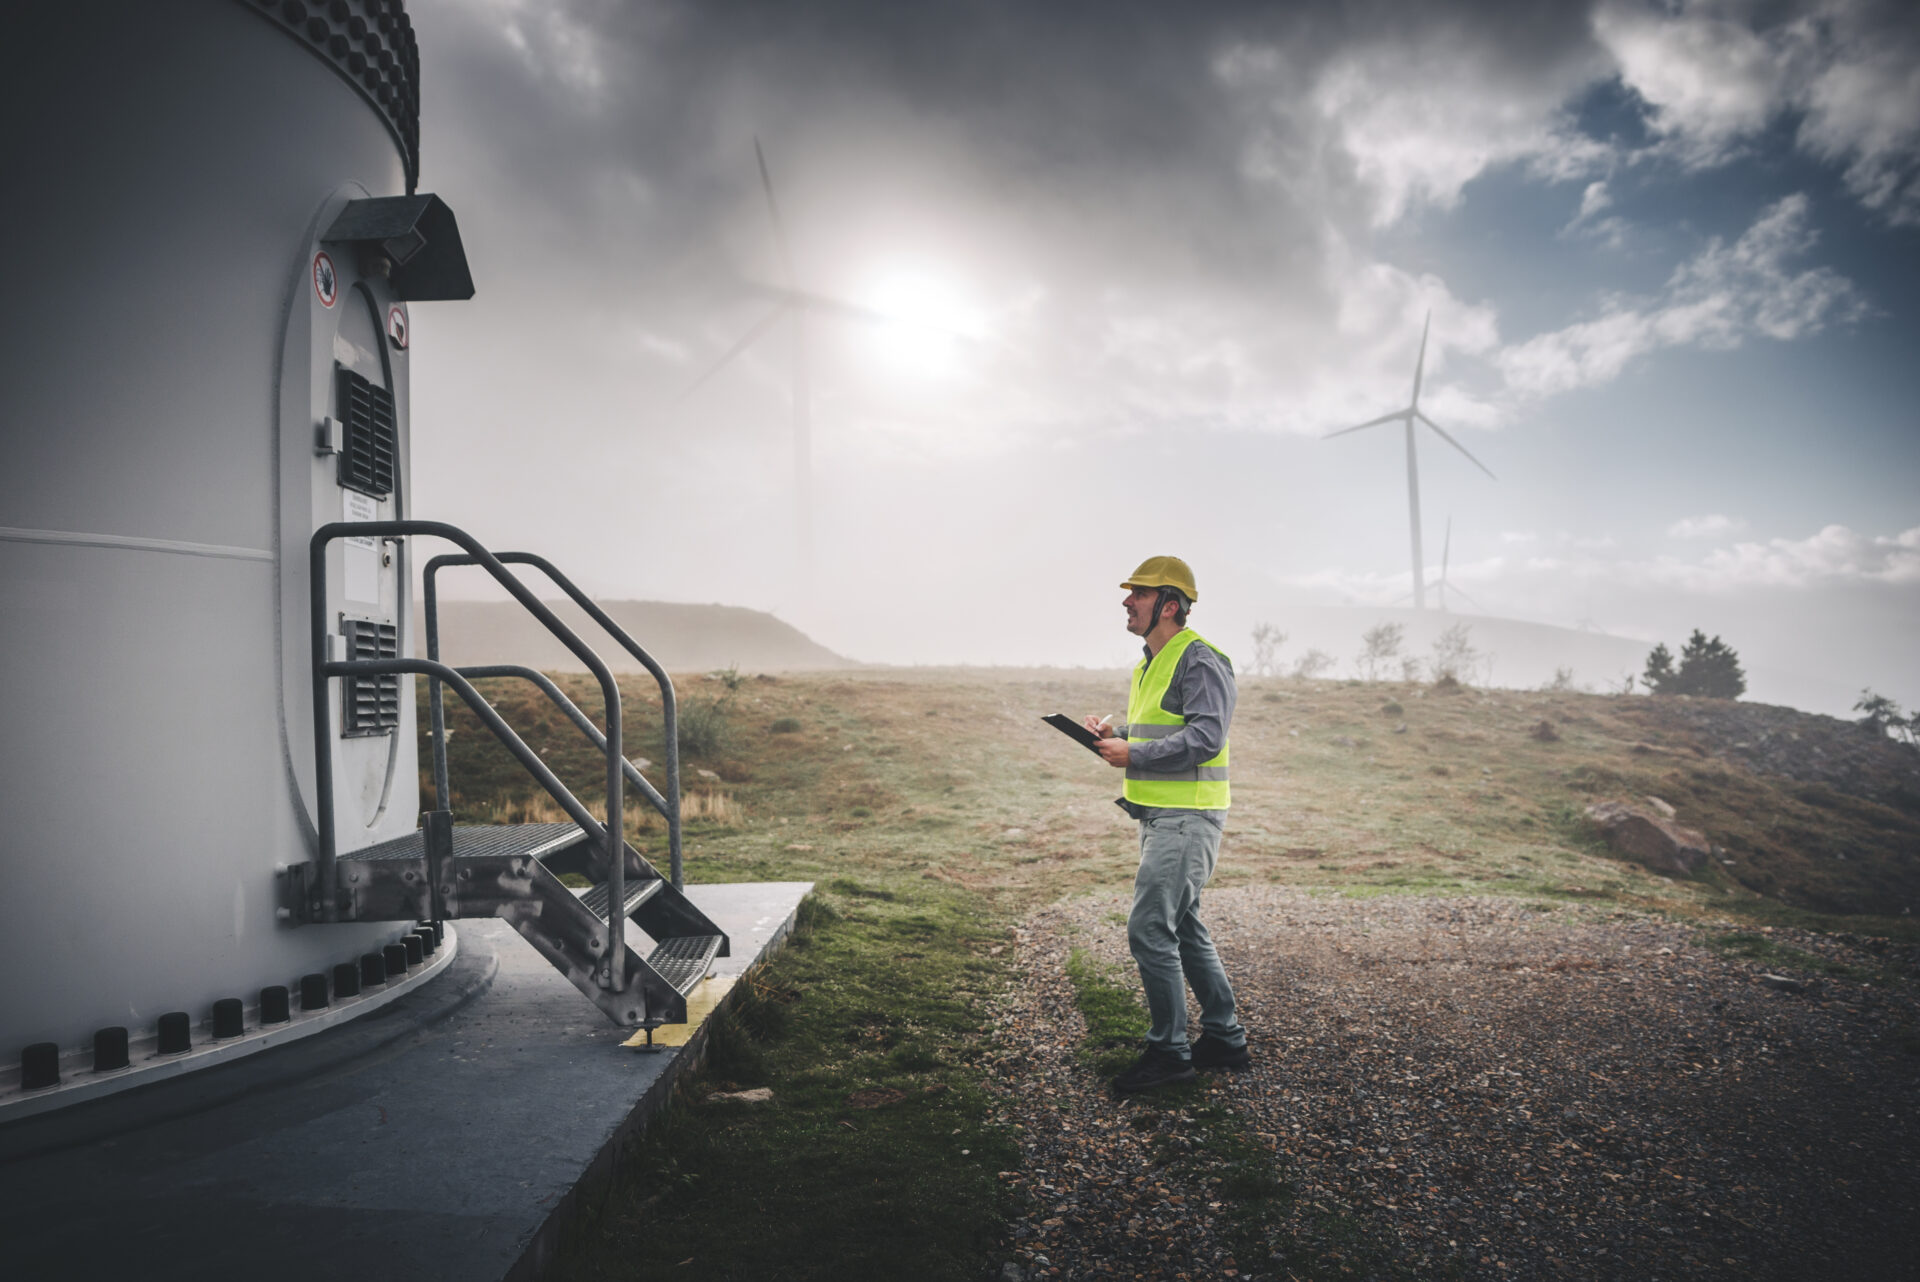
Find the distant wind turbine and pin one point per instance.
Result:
(1407, 417)
(792, 303)
(1446, 548)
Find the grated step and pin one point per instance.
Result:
(683, 961)
(478, 841)
(638, 892)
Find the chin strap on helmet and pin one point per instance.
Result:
(1159, 604)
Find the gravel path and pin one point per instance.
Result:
(1472, 1088)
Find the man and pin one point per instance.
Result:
(1174, 750)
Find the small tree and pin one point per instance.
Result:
(1409, 669)
(1710, 668)
(1453, 654)
(1562, 680)
(1312, 664)
(1881, 712)
(1267, 641)
(1379, 645)
(1658, 677)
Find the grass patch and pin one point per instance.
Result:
(1116, 1021)
(877, 1149)
(1754, 946)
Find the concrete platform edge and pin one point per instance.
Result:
(597, 1179)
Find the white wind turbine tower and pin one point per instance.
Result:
(1442, 583)
(1406, 417)
(1445, 548)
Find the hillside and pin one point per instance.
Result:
(1519, 654)
(683, 638)
(1337, 784)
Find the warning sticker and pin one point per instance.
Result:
(361, 555)
(356, 506)
(326, 282)
(397, 326)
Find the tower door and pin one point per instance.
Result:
(369, 591)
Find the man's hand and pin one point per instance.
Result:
(1114, 750)
(1099, 727)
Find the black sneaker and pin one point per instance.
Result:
(1153, 1070)
(1211, 1052)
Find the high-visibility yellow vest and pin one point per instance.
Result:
(1205, 786)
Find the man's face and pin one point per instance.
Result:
(1139, 604)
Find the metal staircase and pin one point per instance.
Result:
(442, 872)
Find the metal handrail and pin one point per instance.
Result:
(668, 705)
(573, 713)
(612, 835)
(542, 773)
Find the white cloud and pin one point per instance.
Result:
(1420, 120)
(1705, 527)
(1594, 199)
(1833, 556)
(1716, 73)
(1708, 79)
(1717, 299)
(1609, 231)
(1836, 554)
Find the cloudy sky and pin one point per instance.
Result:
(1140, 259)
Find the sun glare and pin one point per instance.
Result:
(929, 320)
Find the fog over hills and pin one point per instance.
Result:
(1510, 653)
(681, 637)
(1523, 655)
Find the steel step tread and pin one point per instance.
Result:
(683, 960)
(478, 841)
(639, 891)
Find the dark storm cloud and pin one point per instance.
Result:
(1114, 125)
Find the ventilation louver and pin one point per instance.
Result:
(367, 450)
(371, 705)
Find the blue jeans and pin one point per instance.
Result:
(1177, 856)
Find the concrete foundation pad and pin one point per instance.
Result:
(442, 1136)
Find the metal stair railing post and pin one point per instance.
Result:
(626, 642)
(613, 836)
(442, 789)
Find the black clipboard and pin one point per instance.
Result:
(1067, 726)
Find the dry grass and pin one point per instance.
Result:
(1338, 787)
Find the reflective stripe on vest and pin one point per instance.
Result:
(1203, 787)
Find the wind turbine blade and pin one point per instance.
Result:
(826, 305)
(1372, 422)
(773, 213)
(1469, 600)
(1456, 445)
(1421, 364)
(1445, 547)
(746, 340)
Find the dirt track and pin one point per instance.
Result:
(1476, 1088)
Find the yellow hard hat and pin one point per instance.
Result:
(1164, 572)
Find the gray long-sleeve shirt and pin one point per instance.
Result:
(1203, 692)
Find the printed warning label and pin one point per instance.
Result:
(326, 281)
